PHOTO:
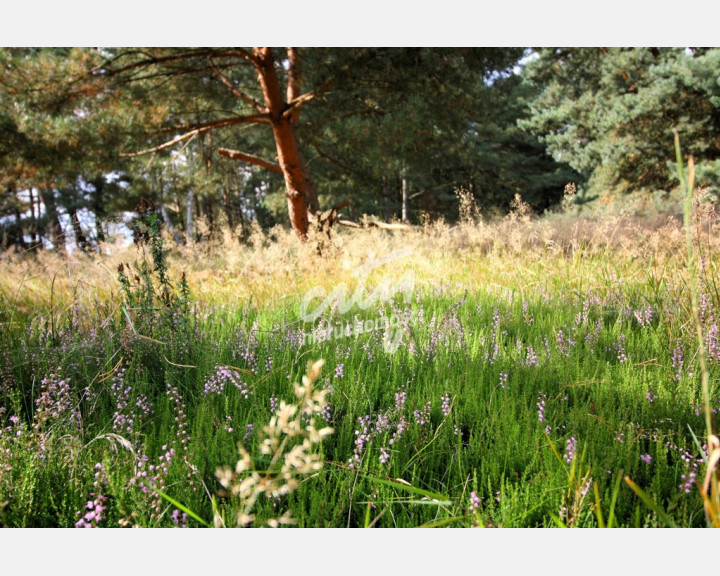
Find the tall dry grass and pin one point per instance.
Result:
(519, 252)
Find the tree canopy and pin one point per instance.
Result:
(283, 135)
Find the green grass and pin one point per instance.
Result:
(491, 442)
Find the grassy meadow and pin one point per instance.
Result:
(520, 372)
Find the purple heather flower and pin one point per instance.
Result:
(570, 446)
(646, 458)
(503, 380)
(541, 407)
(446, 404)
(384, 455)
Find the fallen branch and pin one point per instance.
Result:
(381, 225)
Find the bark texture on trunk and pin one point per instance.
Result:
(80, 238)
(53, 228)
(189, 218)
(300, 193)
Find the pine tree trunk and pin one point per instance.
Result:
(198, 235)
(99, 206)
(189, 218)
(300, 193)
(53, 229)
(33, 220)
(20, 232)
(404, 198)
(80, 238)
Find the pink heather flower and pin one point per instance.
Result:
(541, 407)
(646, 458)
(503, 380)
(384, 456)
(570, 446)
(475, 501)
(400, 398)
(446, 404)
(587, 482)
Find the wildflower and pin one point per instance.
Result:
(677, 362)
(503, 380)
(541, 407)
(446, 404)
(570, 446)
(646, 458)
(384, 456)
(400, 398)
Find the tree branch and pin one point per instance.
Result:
(149, 59)
(294, 105)
(199, 129)
(234, 90)
(205, 126)
(294, 78)
(237, 155)
(381, 225)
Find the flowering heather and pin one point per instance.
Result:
(503, 380)
(531, 358)
(384, 455)
(620, 349)
(179, 519)
(541, 407)
(570, 446)
(595, 364)
(246, 347)
(528, 316)
(585, 484)
(593, 337)
(362, 437)
(215, 383)
(677, 362)
(644, 316)
(96, 507)
(128, 415)
(422, 416)
(563, 343)
(326, 413)
(400, 398)
(56, 407)
(402, 426)
(446, 404)
(492, 356)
